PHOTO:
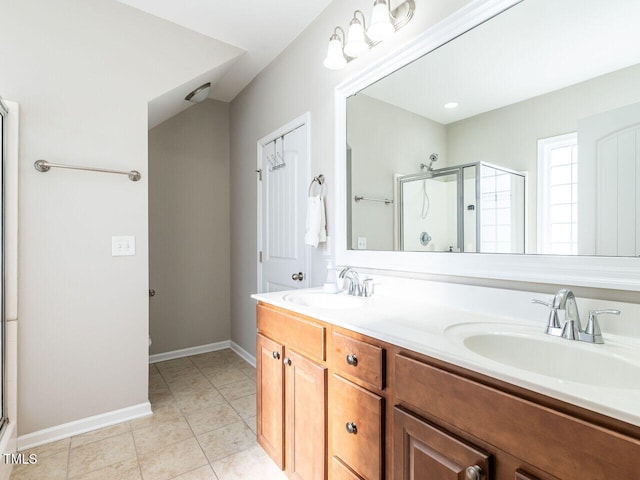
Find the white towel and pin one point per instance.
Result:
(316, 228)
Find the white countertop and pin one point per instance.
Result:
(416, 322)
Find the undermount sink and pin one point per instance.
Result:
(324, 300)
(527, 349)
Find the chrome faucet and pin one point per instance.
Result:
(564, 299)
(355, 286)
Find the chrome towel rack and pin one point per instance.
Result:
(319, 180)
(44, 166)
(360, 198)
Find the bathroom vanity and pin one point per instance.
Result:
(406, 401)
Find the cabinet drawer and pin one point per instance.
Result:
(526, 430)
(297, 333)
(356, 426)
(357, 359)
(339, 471)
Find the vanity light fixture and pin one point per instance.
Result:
(451, 105)
(335, 59)
(384, 23)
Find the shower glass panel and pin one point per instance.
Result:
(476, 207)
(429, 211)
(3, 113)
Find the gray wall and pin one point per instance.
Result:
(295, 83)
(189, 228)
(83, 72)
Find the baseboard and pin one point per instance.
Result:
(186, 352)
(7, 445)
(243, 353)
(83, 425)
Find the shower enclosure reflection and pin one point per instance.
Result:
(475, 207)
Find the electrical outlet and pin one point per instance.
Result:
(362, 243)
(123, 246)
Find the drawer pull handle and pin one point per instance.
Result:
(276, 355)
(474, 473)
(352, 360)
(351, 428)
(287, 361)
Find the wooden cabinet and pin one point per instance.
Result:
(340, 405)
(424, 452)
(291, 398)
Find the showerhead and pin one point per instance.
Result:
(432, 158)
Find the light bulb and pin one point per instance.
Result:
(381, 27)
(335, 57)
(356, 42)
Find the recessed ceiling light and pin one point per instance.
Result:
(451, 105)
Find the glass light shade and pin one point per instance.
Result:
(335, 57)
(381, 27)
(356, 42)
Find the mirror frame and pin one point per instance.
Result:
(618, 273)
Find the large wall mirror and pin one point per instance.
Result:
(520, 136)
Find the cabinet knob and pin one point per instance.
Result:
(287, 361)
(276, 355)
(351, 428)
(474, 473)
(298, 276)
(352, 360)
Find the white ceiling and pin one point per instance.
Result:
(536, 47)
(262, 28)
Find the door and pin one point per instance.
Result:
(306, 423)
(609, 164)
(270, 398)
(283, 167)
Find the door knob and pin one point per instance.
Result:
(298, 276)
(152, 292)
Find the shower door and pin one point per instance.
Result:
(3, 113)
(430, 211)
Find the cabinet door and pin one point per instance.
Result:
(270, 398)
(306, 422)
(424, 452)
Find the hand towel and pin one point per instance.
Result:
(316, 227)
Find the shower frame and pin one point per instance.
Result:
(458, 170)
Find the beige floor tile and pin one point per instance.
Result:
(249, 371)
(128, 470)
(202, 473)
(240, 389)
(161, 435)
(49, 449)
(168, 412)
(226, 441)
(245, 406)
(208, 419)
(190, 401)
(99, 454)
(249, 464)
(52, 467)
(191, 382)
(251, 422)
(157, 384)
(174, 460)
(226, 376)
(162, 398)
(100, 434)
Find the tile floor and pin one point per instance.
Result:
(203, 428)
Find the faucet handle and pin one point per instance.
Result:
(593, 327)
(367, 287)
(553, 321)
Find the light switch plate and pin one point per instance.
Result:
(123, 245)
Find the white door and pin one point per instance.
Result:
(609, 155)
(283, 196)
